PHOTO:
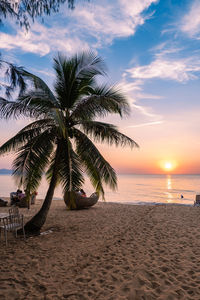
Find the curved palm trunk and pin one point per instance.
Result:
(36, 223)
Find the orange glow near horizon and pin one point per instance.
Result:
(168, 165)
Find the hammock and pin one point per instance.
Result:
(74, 200)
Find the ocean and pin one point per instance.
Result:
(132, 189)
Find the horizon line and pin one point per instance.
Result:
(124, 173)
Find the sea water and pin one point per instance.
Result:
(133, 189)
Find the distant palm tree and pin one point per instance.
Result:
(59, 140)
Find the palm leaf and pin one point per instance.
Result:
(39, 84)
(75, 75)
(6, 9)
(65, 76)
(31, 160)
(9, 109)
(26, 135)
(100, 102)
(97, 168)
(104, 132)
(15, 77)
(88, 65)
(70, 171)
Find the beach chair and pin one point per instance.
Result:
(3, 202)
(74, 200)
(197, 201)
(13, 211)
(13, 198)
(12, 224)
(23, 202)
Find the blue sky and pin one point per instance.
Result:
(152, 51)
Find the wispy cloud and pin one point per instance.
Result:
(190, 23)
(134, 92)
(46, 72)
(146, 111)
(96, 24)
(180, 70)
(145, 124)
(42, 40)
(116, 19)
(23, 41)
(135, 89)
(164, 50)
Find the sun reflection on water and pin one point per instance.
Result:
(169, 187)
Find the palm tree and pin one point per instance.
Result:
(60, 139)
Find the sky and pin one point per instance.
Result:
(152, 52)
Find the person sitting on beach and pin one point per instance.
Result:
(82, 192)
(21, 195)
(17, 195)
(18, 191)
(33, 197)
(14, 197)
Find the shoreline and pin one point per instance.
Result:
(141, 203)
(149, 203)
(111, 251)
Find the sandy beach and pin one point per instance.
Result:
(110, 251)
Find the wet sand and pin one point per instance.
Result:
(110, 251)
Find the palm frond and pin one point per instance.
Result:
(65, 75)
(15, 78)
(30, 106)
(40, 85)
(32, 159)
(75, 75)
(101, 101)
(104, 132)
(6, 9)
(59, 119)
(19, 77)
(97, 168)
(13, 109)
(37, 103)
(70, 171)
(88, 65)
(26, 135)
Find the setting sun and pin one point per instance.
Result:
(168, 165)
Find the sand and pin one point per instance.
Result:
(110, 251)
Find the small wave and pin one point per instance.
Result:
(150, 203)
(182, 191)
